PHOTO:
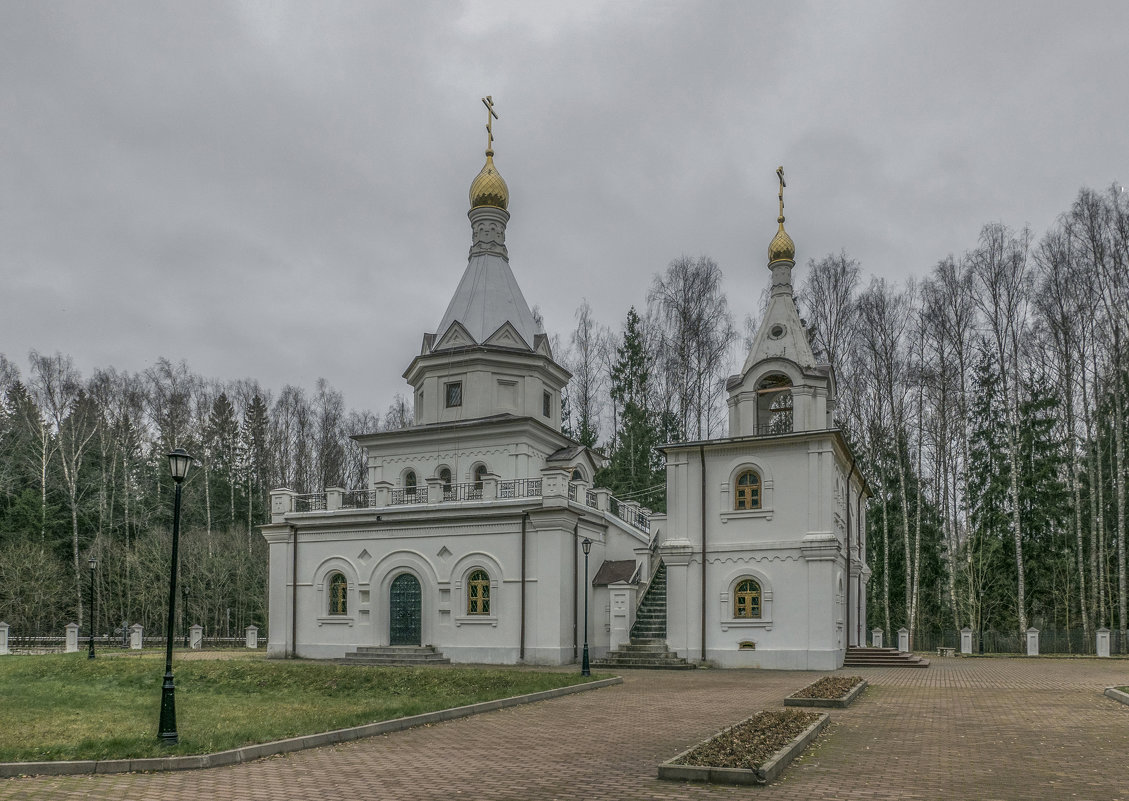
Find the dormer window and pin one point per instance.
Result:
(454, 393)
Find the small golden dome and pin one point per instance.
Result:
(781, 247)
(488, 188)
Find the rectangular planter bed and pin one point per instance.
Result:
(765, 773)
(829, 703)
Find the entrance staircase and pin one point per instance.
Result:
(882, 657)
(647, 648)
(395, 655)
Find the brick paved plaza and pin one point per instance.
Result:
(961, 729)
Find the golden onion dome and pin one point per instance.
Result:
(488, 188)
(781, 247)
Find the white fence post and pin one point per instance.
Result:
(903, 640)
(876, 638)
(72, 638)
(4, 639)
(1103, 642)
(135, 634)
(966, 640)
(1032, 641)
(252, 636)
(195, 637)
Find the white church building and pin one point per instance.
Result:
(466, 543)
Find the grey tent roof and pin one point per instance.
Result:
(486, 299)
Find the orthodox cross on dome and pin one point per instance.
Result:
(780, 175)
(491, 115)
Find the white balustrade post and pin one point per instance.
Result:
(1103, 642)
(196, 637)
(966, 640)
(281, 504)
(490, 487)
(876, 638)
(4, 639)
(334, 497)
(135, 636)
(903, 640)
(72, 638)
(252, 636)
(1032, 641)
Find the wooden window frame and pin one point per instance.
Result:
(478, 593)
(749, 493)
(748, 603)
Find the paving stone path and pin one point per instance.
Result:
(964, 729)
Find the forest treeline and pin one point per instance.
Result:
(985, 401)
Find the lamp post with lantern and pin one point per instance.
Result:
(586, 544)
(179, 462)
(93, 564)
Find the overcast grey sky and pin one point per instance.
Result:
(278, 190)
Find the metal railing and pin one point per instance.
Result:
(462, 492)
(520, 488)
(572, 492)
(409, 495)
(358, 499)
(313, 502)
(780, 426)
(590, 499)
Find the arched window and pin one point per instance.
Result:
(577, 475)
(338, 595)
(410, 482)
(479, 474)
(478, 593)
(445, 480)
(748, 495)
(774, 407)
(747, 600)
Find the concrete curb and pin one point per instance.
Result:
(829, 703)
(259, 750)
(768, 772)
(1117, 695)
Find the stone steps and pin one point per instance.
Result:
(395, 655)
(643, 653)
(882, 657)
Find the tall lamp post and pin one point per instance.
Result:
(90, 650)
(587, 546)
(179, 462)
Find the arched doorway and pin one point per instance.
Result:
(404, 601)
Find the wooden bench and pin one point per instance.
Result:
(943, 651)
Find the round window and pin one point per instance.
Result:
(776, 331)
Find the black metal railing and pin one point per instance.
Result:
(572, 492)
(358, 499)
(520, 488)
(590, 499)
(462, 492)
(312, 502)
(408, 495)
(782, 425)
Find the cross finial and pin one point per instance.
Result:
(780, 175)
(491, 115)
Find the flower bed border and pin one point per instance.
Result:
(1117, 695)
(829, 703)
(767, 772)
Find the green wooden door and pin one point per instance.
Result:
(404, 604)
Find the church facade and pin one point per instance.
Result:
(469, 534)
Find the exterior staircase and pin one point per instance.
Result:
(647, 648)
(882, 657)
(395, 655)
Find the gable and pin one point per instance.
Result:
(507, 336)
(456, 336)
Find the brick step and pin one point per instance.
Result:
(882, 657)
(395, 655)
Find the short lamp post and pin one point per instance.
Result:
(179, 462)
(585, 670)
(93, 565)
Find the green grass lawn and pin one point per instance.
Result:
(65, 706)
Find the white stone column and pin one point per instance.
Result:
(71, 638)
(622, 611)
(434, 489)
(903, 640)
(381, 493)
(602, 496)
(876, 638)
(334, 497)
(196, 637)
(135, 639)
(4, 639)
(966, 640)
(252, 636)
(490, 487)
(1103, 642)
(1032, 641)
(554, 482)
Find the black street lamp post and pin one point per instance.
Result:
(90, 650)
(584, 668)
(179, 462)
